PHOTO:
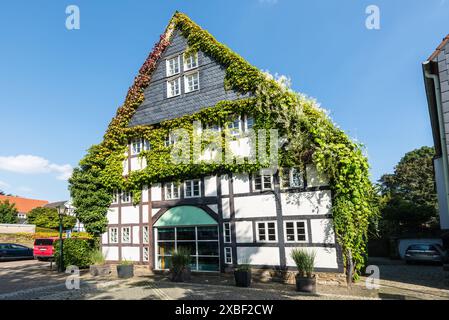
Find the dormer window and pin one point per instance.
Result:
(192, 82)
(174, 88)
(190, 61)
(173, 66)
(138, 145)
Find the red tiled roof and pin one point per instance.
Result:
(24, 205)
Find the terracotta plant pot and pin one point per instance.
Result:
(125, 271)
(242, 278)
(100, 270)
(181, 276)
(304, 284)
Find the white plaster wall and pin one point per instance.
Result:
(258, 255)
(154, 211)
(225, 208)
(224, 180)
(255, 206)
(325, 257)
(112, 216)
(241, 147)
(322, 231)
(241, 183)
(213, 207)
(314, 178)
(210, 186)
(110, 253)
(244, 231)
(130, 215)
(131, 253)
(104, 238)
(156, 192)
(306, 203)
(125, 167)
(145, 194)
(136, 235)
(138, 163)
(145, 213)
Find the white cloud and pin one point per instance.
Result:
(29, 164)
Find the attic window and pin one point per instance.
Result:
(192, 82)
(190, 61)
(174, 88)
(173, 66)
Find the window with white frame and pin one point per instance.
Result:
(172, 191)
(192, 189)
(21, 215)
(190, 61)
(113, 235)
(115, 196)
(291, 178)
(126, 196)
(212, 127)
(295, 231)
(170, 139)
(146, 254)
(174, 87)
(126, 235)
(249, 122)
(146, 235)
(266, 231)
(234, 125)
(192, 82)
(263, 182)
(136, 146)
(228, 255)
(173, 66)
(146, 145)
(227, 232)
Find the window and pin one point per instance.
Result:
(126, 235)
(126, 197)
(263, 182)
(192, 189)
(146, 254)
(227, 232)
(146, 234)
(170, 140)
(234, 126)
(249, 122)
(295, 231)
(190, 61)
(213, 127)
(172, 191)
(146, 145)
(174, 88)
(21, 215)
(266, 231)
(173, 66)
(228, 255)
(291, 178)
(192, 82)
(113, 235)
(136, 146)
(115, 196)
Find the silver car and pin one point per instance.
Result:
(425, 253)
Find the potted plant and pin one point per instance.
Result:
(125, 269)
(242, 275)
(98, 267)
(180, 265)
(305, 261)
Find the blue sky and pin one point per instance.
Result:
(60, 88)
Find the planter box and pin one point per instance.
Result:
(103, 270)
(125, 271)
(181, 276)
(242, 278)
(306, 284)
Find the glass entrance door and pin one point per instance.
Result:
(201, 241)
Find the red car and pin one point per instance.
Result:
(43, 248)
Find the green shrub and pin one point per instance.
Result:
(97, 257)
(304, 260)
(125, 262)
(180, 259)
(77, 252)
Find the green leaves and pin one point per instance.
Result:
(8, 212)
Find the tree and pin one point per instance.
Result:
(49, 218)
(8, 212)
(410, 200)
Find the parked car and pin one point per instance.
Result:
(425, 253)
(43, 248)
(12, 251)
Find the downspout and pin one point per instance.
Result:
(444, 152)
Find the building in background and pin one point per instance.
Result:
(23, 205)
(436, 80)
(79, 227)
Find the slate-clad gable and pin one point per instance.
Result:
(157, 107)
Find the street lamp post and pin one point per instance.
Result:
(62, 210)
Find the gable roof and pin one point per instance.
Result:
(439, 49)
(23, 205)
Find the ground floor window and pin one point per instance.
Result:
(228, 255)
(266, 231)
(201, 241)
(146, 254)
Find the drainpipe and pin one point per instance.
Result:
(444, 152)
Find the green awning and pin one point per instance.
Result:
(185, 216)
